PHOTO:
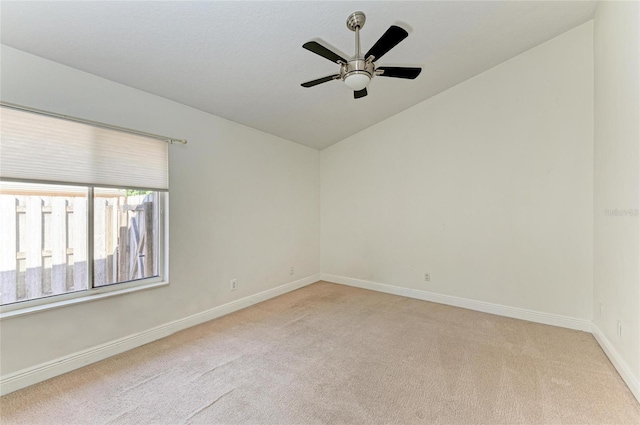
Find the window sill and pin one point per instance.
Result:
(74, 298)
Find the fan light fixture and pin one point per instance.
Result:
(357, 81)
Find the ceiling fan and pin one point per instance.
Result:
(358, 71)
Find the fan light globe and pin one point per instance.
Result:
(357, 81)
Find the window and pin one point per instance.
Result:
(45, 238)
(81, 209)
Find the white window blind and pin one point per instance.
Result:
(35, 147)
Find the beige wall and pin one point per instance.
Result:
(486, 186)
(617, 179)
(243, 204)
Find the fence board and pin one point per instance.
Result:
(99, 254)
(70, 244)
(58, 243)
(123, 246)
(21, 256)
(134, 246)
(110, 242)
(47, 265)
(149, 239)
(80, 244)
(34, 247)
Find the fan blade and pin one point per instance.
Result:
(388, 41)
(319, 49)
(399, 72)
(360, 93)
(320, 81)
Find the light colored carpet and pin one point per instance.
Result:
(334, 354)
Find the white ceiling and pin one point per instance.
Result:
(244, 60)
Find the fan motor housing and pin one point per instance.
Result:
(357, 66)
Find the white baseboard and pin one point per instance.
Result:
(32, 375)
(500, 310)
(621, 366)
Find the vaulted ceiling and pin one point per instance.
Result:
(243, 60)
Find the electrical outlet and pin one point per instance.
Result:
(234, 284)
(619, 328)
(291, 271)
(427, 277)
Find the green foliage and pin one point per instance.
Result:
(132, 192)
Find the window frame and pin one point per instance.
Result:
(93, 293)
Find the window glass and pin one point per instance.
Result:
(43, 240)
(125, 230)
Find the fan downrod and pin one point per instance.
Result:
(356, 20)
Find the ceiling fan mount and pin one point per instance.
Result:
(356, 20)
(358, 71)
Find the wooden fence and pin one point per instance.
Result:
(43, 243)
